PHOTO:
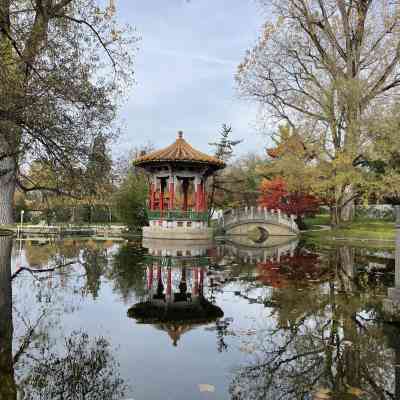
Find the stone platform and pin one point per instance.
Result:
(177, 233)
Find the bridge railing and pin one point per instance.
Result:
(245, 214)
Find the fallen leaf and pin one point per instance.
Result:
(205, 387)
(355, 391)
(322, 394)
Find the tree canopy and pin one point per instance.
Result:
(328, 68)
(64, 66)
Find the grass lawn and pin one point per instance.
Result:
(359, 232)
(319, 219)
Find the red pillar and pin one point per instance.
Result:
(204, 196)
(161, 197)
(171, 204)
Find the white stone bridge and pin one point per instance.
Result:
(241, 221)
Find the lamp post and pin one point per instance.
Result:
(22, 219)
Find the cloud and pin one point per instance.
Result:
(185, 71)
(197, 57)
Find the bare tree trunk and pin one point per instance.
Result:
(7, 190)
(347, 212)
(334, 215)
(7, 382)
(347, 208)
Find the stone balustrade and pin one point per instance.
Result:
(247, 214)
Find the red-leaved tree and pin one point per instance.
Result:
(276, 196)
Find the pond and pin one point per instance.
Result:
(99, 319)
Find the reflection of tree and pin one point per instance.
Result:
(39, 254)
(128, 272)
(299, 268)
(7, 384)
(94, 259)
(87, 370)
(324, 337)
(222, 331)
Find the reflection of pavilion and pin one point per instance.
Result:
(175, 281)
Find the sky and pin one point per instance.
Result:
(185, 66)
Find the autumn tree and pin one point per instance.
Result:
(276, 196)
(326, 68)
(63, 65)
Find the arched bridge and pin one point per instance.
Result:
(244, 221)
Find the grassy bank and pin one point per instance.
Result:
(358, 233)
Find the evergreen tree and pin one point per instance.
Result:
(224, 150)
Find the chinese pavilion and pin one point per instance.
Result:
(177, 204)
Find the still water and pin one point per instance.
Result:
(152, 321)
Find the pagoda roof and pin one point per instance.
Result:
(179, 151)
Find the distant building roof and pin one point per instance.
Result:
(179, 151)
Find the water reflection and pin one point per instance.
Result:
(326, 336)
(82, 368)
(7, 381)
(278, 320)
(176, 280)
(392, 303)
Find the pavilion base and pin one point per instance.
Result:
(177, 233)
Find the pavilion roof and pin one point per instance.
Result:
(179, 151)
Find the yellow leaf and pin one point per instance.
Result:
(205, 387)
(355, 391)
(322, 394)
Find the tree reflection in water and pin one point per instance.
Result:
(325, 340)
(7, 381)
(83, 369)
(86, 370)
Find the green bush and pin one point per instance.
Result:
(130, 201)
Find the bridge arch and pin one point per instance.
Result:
(240, 221)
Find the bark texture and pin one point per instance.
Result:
(7, 382)
(7, 190)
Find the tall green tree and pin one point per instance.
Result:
(224, 150)
(130, 197)
(63, 65)
(130, 200)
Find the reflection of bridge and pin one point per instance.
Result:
(240, 221)
(252, 254)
